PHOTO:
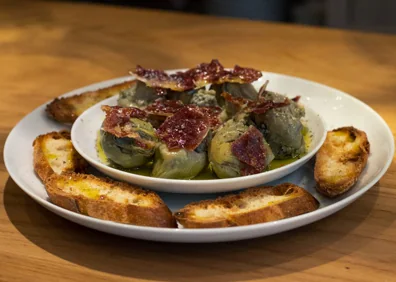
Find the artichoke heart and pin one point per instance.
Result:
(180, 164)
(183, 96)
(221, 158)
(237, 90)
(131, 151)
(283, 128)
(140, 95)
(204, 98)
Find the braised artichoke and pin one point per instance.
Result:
(242, 90)
(180, 164)
(222, 159)
(283, 128)
(134, 150)
(204, 98)
(236, 90)
(184, 96)
(139, 96)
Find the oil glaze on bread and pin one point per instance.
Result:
(110, 200)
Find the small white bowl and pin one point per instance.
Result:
(84, 135)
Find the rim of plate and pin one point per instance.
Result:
(220, 230)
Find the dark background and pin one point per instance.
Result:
(363, 15)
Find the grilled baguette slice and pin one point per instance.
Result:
(54, 153)
(252, 206)
(341, 160)
(107, 199)
(67, 109)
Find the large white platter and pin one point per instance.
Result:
(335, 107)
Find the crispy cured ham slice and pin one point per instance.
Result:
(186, 129)
(203, 74)
(250, 151)
(258, 107)
(118, 118)
(164, 107)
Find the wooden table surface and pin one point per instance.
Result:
(49, 48)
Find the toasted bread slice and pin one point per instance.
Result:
(68, 109)
(109, 200)
(54, 153)
(252, 206)
(341, 160)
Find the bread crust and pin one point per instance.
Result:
(67, 109)
(155, 215)
(338, 164)
(299, 202)
(42, 165)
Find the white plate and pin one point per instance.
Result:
(336, 108)
(84, 135)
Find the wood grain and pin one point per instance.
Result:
(48, 48)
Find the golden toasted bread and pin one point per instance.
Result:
(341, 160)
(54, 153)
(252, 206)
(67, 109)
(109, 200)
